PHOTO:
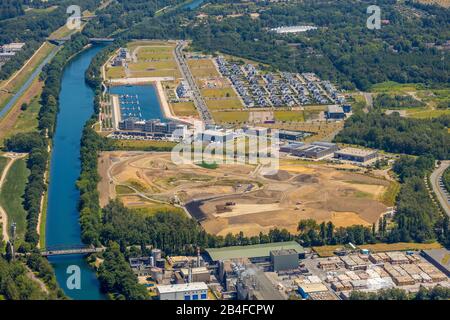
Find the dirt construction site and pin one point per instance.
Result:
(237, 197)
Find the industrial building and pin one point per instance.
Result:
(356, 155)
(315, 150)
(335, 112)
(185, 291)
(284, 259)
(292, 135)
(211, 135)
(288, 148)
(198, 274)
(440, 258)
(255, 253)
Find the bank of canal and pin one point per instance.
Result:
(62, 226)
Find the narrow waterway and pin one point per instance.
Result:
(62, 225)
(27, 83)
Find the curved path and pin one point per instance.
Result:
(438, 189)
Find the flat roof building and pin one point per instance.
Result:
(440, 258)
(284, 259)
(292, 135)
(335, 112)
(315, 150)
(355, 154)
(253, 252)
(184, 291)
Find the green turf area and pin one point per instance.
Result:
(115, 72)
(120, 190)
(446, 179)
(11, 196)
(28, 119)
(184, 109)
(224, 104)
(427, 113)
(207, 165)
(143, 145)
(152, 209)
(289, 116)
(391, 86)
(3, 162)
(218, 93)
(231, 116)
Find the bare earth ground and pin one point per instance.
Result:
(256, 203)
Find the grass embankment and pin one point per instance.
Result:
(3, 162)
(9, 88)
(11, 196)
(445, 179)
(143, 145)
(389, 196)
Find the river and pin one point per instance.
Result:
(62, 225)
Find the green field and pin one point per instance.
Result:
(28, 119)
(231, 116)
(427, 113)
(289, 116)
(184, 109)
(11, 195)
(218, 93)
(224, 104)
(115, 72)
(391, 86)
(149, 145)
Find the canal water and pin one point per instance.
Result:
(62, 225)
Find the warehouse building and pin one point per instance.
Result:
(335, 112)
(440, 258)
(184, 291)
(357, 155)
(255, 253)
(285, 259)
(315, 150)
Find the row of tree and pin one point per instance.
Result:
(387, 101)
(435, 293)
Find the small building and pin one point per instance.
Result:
(355, 154)
(335, 112)
(184, 291)
(284, 259)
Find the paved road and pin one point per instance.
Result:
(438, 189)
(186, 72)
(369, 101)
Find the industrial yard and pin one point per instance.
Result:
(236, 197)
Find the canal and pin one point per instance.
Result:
(62, 225)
